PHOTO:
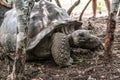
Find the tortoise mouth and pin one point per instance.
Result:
(85, 40)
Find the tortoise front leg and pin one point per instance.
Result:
(61, 49)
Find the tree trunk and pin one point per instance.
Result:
(58, 3)
(73, 6)
(109, 38)
(23, 14)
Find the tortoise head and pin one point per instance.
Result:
(85, 40)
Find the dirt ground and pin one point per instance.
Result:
(87, 65)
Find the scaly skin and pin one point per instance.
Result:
(61, 49)
(83, 39)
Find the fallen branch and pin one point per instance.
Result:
(88, 70)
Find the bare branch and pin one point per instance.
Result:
(80, 18)
(58, 3)
(73, 6)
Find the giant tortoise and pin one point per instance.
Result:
(51, 32)
(3, 9)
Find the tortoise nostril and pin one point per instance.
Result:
(91, 40)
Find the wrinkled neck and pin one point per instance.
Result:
(71, 42)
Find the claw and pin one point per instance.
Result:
(100, 47)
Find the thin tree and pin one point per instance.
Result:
(23, 14)
(109, 37)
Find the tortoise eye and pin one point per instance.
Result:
(82, 35)
(34, 17)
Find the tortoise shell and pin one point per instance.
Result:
(45, 20)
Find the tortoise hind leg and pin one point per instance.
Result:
(61, 50)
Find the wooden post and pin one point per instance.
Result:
(109, 38)
(23, 14)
